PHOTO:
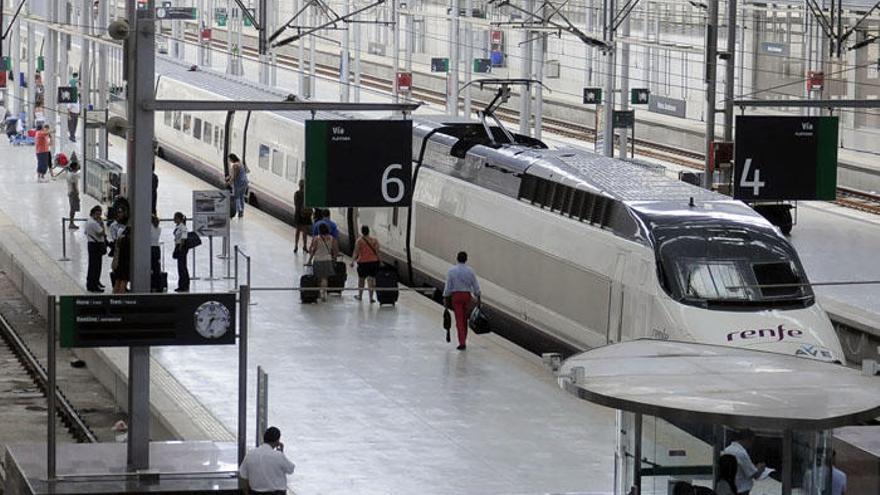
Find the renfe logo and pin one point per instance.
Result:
(777, 334)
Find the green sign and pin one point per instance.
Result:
(41, 65)
(639, 96)
(358, 163)
(592, 96)
(439, 64)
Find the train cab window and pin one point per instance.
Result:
(222, 143)
(197, 128)
(720, 267)
(168, 117)
(187, 123)
(278, 163)
(177, 120)
(217, 137)
(207, 133)
(264, 157)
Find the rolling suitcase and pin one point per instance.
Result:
(159, 282)
(386, 278)
(339, 277)
(308, 296)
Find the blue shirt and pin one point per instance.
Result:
(331, 225)
(461, 278)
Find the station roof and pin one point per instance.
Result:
(722, 385)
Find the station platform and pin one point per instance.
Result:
(368, 399)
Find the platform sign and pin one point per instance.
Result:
(623, 119)
(67, 94)
(592, 96)
(358, 163)
(210, 213)
(439, 64)
(785, 158)
(482, 65)
(674, 107)
(126, 320)
(639, 96)
(164, 13)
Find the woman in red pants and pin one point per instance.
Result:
(459, 293)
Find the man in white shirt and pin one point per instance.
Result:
(97, 246)
(265, 469)
(458, 293)
(747, 472)
(838, 477)
(72, 120)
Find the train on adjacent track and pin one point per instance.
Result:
(568, 245)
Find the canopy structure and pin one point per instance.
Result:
(792, 401)
(722, 385)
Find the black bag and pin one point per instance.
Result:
(233, 209)
(339, 277)
(386, 278)
(447, 322)
(176, 253)
(308, 296)
(479, 322)
(193, 240)
(159, 282)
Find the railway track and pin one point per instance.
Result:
(69, 416)
(850, 198)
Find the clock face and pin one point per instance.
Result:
(212, 320)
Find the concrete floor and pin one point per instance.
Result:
(369, 400)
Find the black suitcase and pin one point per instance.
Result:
(308, 296)
(339, 277)
(159, 282)
(386, 278)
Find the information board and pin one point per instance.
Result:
(439, 64)
(623, 119)
(785, 158)
(210, 213)
(125, 320)
(358, 163)
(166, 13)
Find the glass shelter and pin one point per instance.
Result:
(680, 404)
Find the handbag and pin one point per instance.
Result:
(479, 322)
(447, 322)
(193, 240)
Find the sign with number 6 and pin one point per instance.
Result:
(358, 163)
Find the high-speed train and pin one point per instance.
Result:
(579, 247)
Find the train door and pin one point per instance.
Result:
(617, 302)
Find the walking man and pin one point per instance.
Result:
(458, 294)
(265, 469)
(97, 245)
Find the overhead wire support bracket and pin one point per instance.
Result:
(14, 18)
(332, 22)
(247, 13)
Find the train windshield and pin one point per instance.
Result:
(730, 268)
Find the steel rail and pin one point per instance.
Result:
(69, 415)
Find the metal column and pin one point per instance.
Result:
(85, 77)
(103, 97)
(263, 43)
(540, 48)
(141, 75)
(454, 46)
(30, 92)
(729, 70)
(711, 82)
(357, 59)
(608, 127)
(50, 393)
(244, 299)
(395, 49)
(622, 143)
(468, 54)
(313, 21)
(525, 96)
(50, 71)
(344, 54)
